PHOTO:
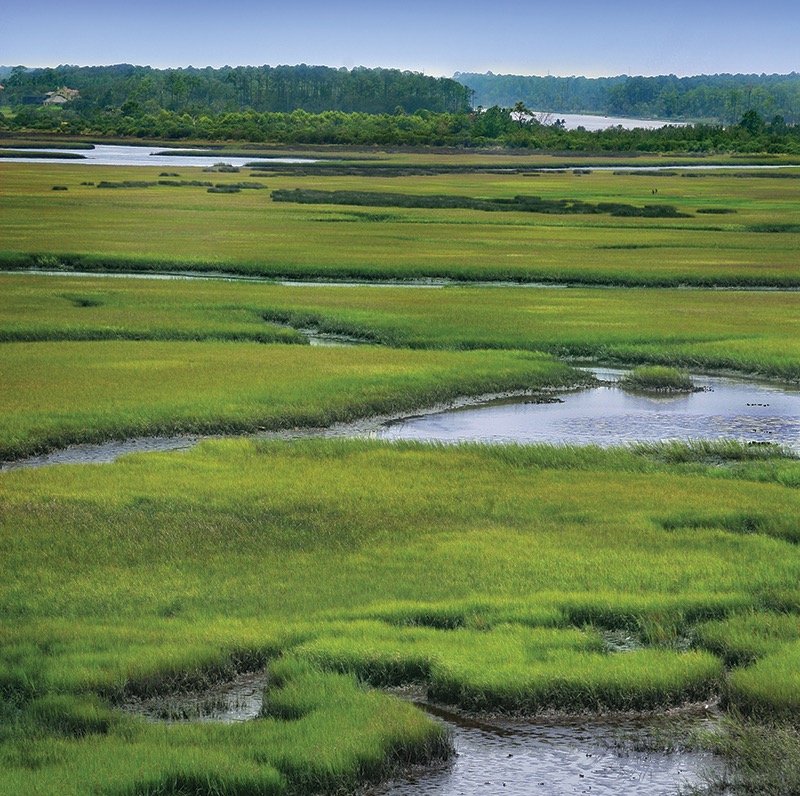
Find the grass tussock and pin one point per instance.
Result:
(657, 378)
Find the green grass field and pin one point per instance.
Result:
(188, 228)
(751, 332)
(483, 574)
(494, 578)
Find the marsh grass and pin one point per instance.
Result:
(748, 637)
(497, 578)
(521, 203)
(728, 330)
(342, 737)
(480, 573)
(763, 759)
(56, 394)
(657, 378)
(250, 234)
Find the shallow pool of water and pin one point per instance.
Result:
(237, 700)
(607, 755)
(555, 757)
(748, 411)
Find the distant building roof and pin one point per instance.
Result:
(61, 96)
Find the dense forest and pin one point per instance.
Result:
(140, 90)
(713, 98)
(320, 105)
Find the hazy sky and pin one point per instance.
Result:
(576, 37)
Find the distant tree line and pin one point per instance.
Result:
(142, 90)
(493, 127)
(319, 105)
(714, 98)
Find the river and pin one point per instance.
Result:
(594, 122)
(129, 155)
(125, 155)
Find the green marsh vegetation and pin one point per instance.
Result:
(495, 578)
(657, 378)
(525, 204)
(499, 585)
(248, 233)
(749, 332)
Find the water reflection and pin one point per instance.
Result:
(607, 415)
(122, 155)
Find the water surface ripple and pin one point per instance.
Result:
(601, 756)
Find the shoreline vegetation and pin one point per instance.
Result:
(493, 577)
(494, 127)
(314, 104)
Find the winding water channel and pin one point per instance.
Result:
(605, 756)
(130, 155)
(751, 411)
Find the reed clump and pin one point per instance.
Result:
(657, 378)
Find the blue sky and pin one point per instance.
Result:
(438, 38)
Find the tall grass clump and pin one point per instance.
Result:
(762, 759)
(771, 686)
(657, 378)
(746, 638)
(319, 733)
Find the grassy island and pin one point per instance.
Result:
(657, 378)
